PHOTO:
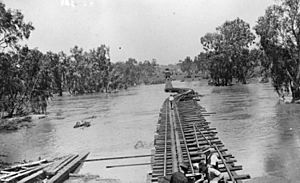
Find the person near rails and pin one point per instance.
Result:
(171, 99)
(165, 179)
(211, 156)
(180, 176)
(211, 175)
(199, 176)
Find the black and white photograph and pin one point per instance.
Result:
(150, 91)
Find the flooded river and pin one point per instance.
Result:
(262, 134)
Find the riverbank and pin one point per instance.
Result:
(15, 123)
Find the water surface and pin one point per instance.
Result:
(262, 134)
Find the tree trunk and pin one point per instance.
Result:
(11, 112)
(60, 92)
(295, 94)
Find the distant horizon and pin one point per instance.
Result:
(167, 31)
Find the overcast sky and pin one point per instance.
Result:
(167, 30)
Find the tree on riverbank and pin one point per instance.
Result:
(228, 52)
(29, 77)
(188, 66)
(202, 63)
(13, 91)
(227, 55)
(279, 31)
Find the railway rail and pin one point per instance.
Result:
(182, 133)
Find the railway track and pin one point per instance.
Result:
(181, 134)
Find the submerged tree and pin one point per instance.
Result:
(188, 66)
(52, 62)
(13, 88)
(228, 51)
(202, 62)
(279, 31)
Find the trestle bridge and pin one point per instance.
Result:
(180, 136)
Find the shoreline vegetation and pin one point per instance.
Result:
(232, 52)
(29, 77)
(18, 122)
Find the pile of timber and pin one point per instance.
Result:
(43, 170)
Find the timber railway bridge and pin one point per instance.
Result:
(181, 135)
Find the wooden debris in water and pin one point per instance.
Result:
(82, 124)
(63, 174)
(51, 171)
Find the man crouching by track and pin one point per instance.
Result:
(211, 175)
(178, 177)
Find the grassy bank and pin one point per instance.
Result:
(15, 123)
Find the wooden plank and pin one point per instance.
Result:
(76, 175)
(231, 168)
(21, 175)
(56, 163)
(14, 173)
(228, 161)
(7, 175)
(32, 177)
(120, 157)
(63, 174)
(7, 172)
(238, 177)
(26, 164)
(61, 164)
(126, 165)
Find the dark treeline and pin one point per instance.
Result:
(232, 53)
(29, 77)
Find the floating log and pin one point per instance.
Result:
(5, 172)
(24, 174)
(32, 177)
(119, 157)
(126, 165)
(26, 164)
(82, 124)
(9, 174)
(59, 165)
(76, 175)
(63, 174)
(237, 177)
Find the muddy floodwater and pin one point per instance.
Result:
(263, 135)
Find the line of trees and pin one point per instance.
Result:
(227, 54)
(231, 52)
(29, 77)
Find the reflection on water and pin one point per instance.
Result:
(262, 134)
